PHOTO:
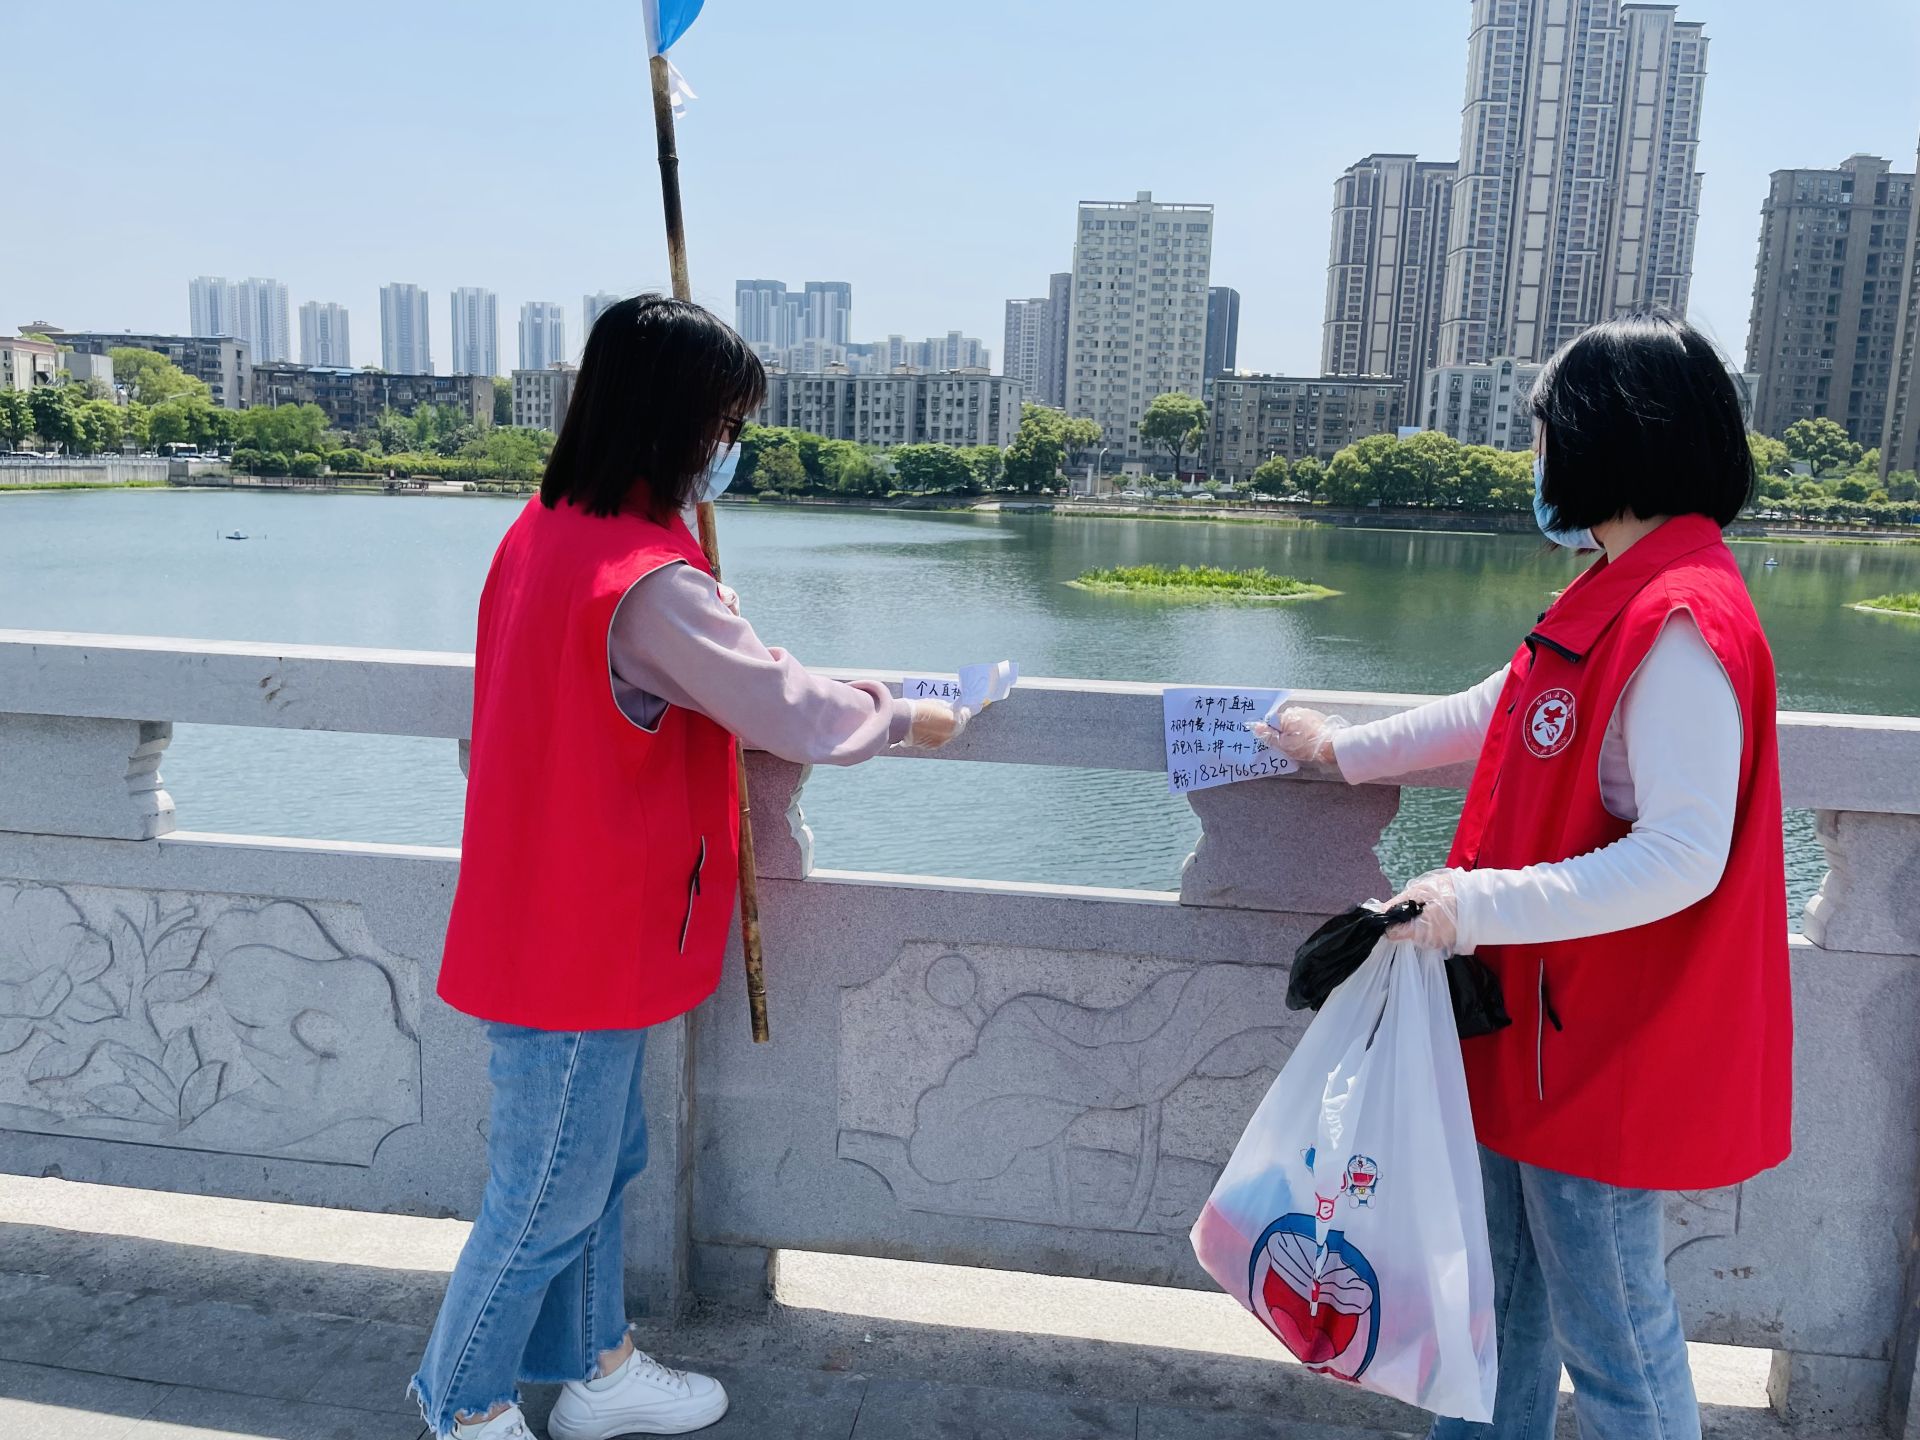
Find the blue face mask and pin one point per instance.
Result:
(1543, 517)
(719, 472)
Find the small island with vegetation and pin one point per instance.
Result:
(1200, 582)
(1907, 604)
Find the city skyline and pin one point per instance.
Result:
(1268, 164)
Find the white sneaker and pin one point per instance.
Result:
(642, 1397)
(509, 1424)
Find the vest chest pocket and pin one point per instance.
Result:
(693, 892)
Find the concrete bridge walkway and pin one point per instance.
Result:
(135, 1315)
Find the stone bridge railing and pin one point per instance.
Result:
(1030, 1077)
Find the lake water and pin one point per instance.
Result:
(918, 592)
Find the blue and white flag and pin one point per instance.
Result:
(667, 21)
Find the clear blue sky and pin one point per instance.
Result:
(930, 153)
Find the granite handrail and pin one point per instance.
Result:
(136, 958)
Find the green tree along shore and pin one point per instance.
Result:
(167, 406)
(1200, 582)
(1812, 473)
(782, 462)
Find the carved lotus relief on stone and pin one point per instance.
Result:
(208, 1022)
(1101, 1092)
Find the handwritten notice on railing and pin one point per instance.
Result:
(1208, 742)
(931, 687)
(975, 687)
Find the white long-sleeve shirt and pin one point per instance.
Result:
(1669, 765)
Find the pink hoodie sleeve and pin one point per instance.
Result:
(674, 642)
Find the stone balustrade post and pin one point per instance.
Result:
(741, 1275)
(1868, 904)
(1870, 900)
(782, 840)
(67, 775)
(1297, 844)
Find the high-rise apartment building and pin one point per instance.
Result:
(406, 346)
(758, 311)
(543, 334)
(1140, 279)
(1059, 333)
(1223, 330)
(1900, 440)
(592, 307)
(476, 332)
(1826, 296)
(264, 321)
(323, 335)
(769, 315)
(1577, 196)
(954, 351)
(213, 304)
(1386, 267)
(829, 311)
(1023, 352)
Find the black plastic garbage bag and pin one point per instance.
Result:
(1334, 951)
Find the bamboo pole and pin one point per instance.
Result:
(710, 542)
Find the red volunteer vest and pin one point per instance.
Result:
(1658, 1057)
(599, 860)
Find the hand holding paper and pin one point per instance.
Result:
(942, 706)
(1302, 735)
(936, 723)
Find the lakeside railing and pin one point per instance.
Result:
(1031, 1077)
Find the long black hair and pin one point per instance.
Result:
(662, 382)
(1642, 418)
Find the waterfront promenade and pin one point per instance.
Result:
(1035, 1080)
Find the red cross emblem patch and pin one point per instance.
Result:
(1549, 727)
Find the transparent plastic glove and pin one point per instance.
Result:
(1304, 736)
(729, 596)
(1437, 927)
(936, 723)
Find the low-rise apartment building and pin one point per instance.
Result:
(1252, 418)
(224, 363)
(959, 407)
(25, 364)
(1481, 404)
(541, 397)
(353, 399)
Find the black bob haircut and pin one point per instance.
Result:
(1642, 419)
(661, 383)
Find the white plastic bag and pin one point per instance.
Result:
(1350, 1219)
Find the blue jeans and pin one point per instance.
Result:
(1580, 1279)
(538, 1291)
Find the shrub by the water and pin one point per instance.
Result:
(1206, 581)
(1907, 604)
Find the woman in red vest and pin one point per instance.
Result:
(598, 863)
(1619, 865)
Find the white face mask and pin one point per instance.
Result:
(718, 475)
